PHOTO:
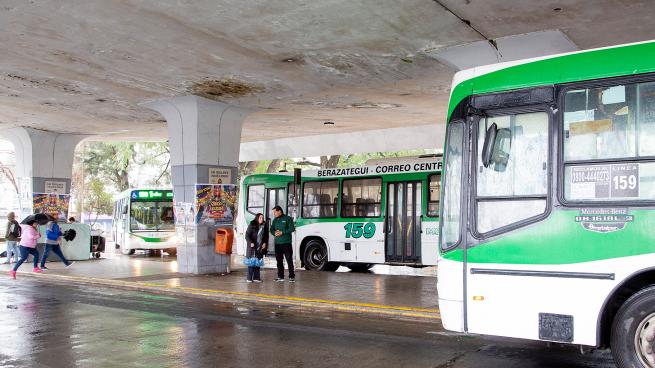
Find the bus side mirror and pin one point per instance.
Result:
(501, 150)
(487, 148)
(496, 148)
(124, 211)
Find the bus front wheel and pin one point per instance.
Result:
(126, 252)
(315, 257)
(633, 331)
(359, 267)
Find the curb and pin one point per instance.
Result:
(396, 312)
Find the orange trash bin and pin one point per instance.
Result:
(223, 241)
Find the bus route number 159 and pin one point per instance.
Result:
(357, 229)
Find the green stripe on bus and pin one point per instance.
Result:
(151, 240)
(559, 239)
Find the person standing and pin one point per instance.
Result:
(28, 238)
(52, 243)
(282, 228)
(256, 243)
(12, 235)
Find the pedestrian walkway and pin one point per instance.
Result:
(396, 296)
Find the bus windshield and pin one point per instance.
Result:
(151, 216)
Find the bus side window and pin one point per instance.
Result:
(320, 199)
(255, 200)
(434, 191)
(608, 143)
(361, 197)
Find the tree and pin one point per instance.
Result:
(156, 154)
(8, 174)
(110, 162)
(97, 200)
(330, 162)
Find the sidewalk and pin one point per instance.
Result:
(395, 296)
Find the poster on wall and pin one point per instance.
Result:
(58, 187)
(55, 205)
(215, 204)
(220, 175)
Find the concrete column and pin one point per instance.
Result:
(203, 134)
(42, 156)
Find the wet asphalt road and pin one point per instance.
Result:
(50, 325)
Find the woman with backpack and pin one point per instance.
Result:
(11, 236)
(28, 238)
(52, 243)
(256, 244)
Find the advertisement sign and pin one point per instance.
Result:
(58, 187)
(55, 205)
(215, 204)
(220, 175)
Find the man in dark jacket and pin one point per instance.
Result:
(282, 228)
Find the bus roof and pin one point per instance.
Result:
(620, 60)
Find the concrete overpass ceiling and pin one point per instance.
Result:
(86, 66)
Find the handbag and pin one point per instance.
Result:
(253, 262)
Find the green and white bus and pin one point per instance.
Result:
(144, 219)
(548, 207)
(385, 213)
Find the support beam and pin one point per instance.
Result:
(42, 156)
(203, 135)
(381, 140)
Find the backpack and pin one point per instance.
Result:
(16, 230)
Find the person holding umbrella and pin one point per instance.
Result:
(27, 245)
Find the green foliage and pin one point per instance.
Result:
(109, 162)
(96, 198)
(101, 169)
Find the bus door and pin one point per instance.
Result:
(403, 217)
(274, 197)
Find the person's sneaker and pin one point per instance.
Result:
(248, 281)
(37, 270)
(292, 280)
(12, 274)
(257, 280)
(70, 264)
(44, 268)
(279, 280)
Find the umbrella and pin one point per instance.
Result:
(40, 218)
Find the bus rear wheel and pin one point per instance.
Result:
(633, 331)
(315, 257)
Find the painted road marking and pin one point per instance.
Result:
(259, 297)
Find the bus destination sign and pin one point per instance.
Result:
(381, 169)
(152, 195)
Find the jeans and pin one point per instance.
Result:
(284, 251)
(253, 273)
(12, 248)
(24, 253)
(56, 249)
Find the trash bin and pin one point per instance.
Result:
(223, 242)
